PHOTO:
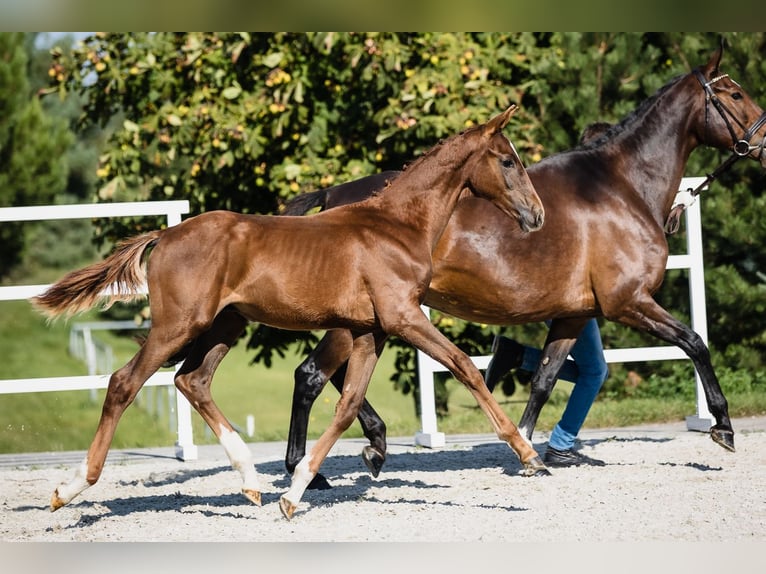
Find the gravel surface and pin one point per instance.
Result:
(661, 483)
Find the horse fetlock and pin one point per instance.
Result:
(252, 495)
(374, 460)
(723, 437)
(56, 501)
(287, 507)
(535, 467)
(66, 491)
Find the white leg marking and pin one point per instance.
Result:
(523, 432)
(68, 490)
(301, 479)
(241, 458)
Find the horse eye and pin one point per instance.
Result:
(508, 163)
(736, 96)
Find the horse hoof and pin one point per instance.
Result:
(374, 460)
(319, 482)
(723, 437)
(287, 508)
(252, 495)
(535, 467)
(56, 502)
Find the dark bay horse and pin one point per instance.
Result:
(602, 251)
(365, 275)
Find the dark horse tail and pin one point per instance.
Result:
(341, 194)
(119, 277)
(306, 202)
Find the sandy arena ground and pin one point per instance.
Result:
(662, 484)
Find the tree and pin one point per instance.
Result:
(32, 145)
(245, 121)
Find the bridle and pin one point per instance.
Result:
(741, 147)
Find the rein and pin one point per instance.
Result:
(741, 147)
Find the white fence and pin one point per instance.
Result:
(429, 434)
(185, 447)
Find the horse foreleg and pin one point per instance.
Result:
(328, 361)
(310, 378)
(561, 337)
(123, 387)
(648, 316)
(373, 427)
(422, 334)
(362, 361)
(194, 380)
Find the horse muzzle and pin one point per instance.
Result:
(531, 219)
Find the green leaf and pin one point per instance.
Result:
(232, 92)
(273, 59)
(292, 170)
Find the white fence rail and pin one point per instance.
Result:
(429, 434)
(172, 210)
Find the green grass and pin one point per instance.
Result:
(465, 417)
(66, 420)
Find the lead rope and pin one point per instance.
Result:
(687, 197)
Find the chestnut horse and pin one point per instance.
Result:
(365, 274)
(602, 251)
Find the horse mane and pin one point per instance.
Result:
(437, 147)
(426, 154)
(630, 119)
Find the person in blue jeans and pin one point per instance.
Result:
(587, 371)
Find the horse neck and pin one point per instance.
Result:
(653, 149)
(425, 195)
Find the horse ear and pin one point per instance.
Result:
(496, 124)
(711, 68)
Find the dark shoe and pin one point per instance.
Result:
(523, 376)
(561, 458)
(507, 355)
(508, 385)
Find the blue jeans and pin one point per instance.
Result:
(588, 372)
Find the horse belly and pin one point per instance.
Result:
(303, 305)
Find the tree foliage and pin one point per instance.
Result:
(244, 121)
(33, 168)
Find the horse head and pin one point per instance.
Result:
(732, 119)
(500, 176)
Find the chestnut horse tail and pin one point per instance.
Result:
(119, 277)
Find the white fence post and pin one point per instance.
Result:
(429, 435)
(185, 447)
(702, 420)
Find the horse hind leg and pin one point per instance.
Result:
(194, 380)
(123, 387)
(649, 316)
(374, 428)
